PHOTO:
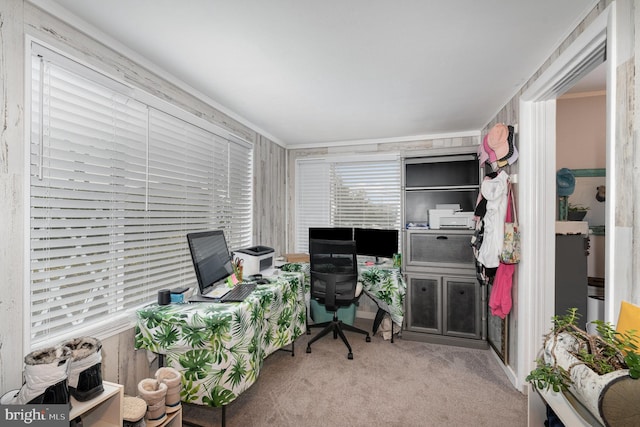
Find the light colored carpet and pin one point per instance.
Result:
(406, 383)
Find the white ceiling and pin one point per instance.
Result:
(319, 72)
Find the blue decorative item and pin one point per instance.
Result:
(565, 182)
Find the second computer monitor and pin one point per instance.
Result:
(331, 233)
(376, 242)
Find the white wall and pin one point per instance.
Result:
(581, 131)
(11, 192)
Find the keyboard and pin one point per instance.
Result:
(239, 292)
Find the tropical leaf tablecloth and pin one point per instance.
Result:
(385, 286)
(220, 348)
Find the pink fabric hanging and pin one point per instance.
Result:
(500, 301)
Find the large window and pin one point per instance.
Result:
(116, 184)
(361, 192)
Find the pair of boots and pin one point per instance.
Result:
(162, 395)
(51, 375)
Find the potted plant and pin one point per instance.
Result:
(576, 212)
(600, 370)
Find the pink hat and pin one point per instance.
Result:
(488, 150)
(497, 140)
(482, 153)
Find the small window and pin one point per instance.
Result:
(348, 193)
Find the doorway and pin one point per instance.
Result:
(581, 148)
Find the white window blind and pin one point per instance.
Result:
(347, 193)
(116, 184)
(313, 206)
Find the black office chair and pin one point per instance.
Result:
(334, 280)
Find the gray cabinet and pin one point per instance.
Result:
(572, 285)
(439, 248)
(463, 304)
(444, 305)
(444, 302)
(424, 311)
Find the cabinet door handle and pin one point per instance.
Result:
(442, 237)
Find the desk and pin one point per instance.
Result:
(385, 286)
(219, 348)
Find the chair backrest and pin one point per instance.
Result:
(334, 272)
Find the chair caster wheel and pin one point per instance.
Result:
(308, 349)
(350, 356)
(368, 338)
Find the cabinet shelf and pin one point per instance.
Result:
(103, 410)
(106, 410)
(444, 188)
(174, 419)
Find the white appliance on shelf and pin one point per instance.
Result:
(450, 217)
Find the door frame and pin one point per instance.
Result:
(537, 189)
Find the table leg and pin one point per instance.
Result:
(392, 332)
(293, 348)
(376, 322)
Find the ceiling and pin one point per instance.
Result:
(327, 72)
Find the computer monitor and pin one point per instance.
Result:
(211, 258)
(331, 233)
(376, 242)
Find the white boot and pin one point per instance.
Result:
(45, 378)
(173, 380)
(154, 393)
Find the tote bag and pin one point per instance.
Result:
(511, 244)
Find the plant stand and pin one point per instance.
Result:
(611, 398)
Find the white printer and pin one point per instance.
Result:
(450, 216)
(256, 260)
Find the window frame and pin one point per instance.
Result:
(126, 317)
